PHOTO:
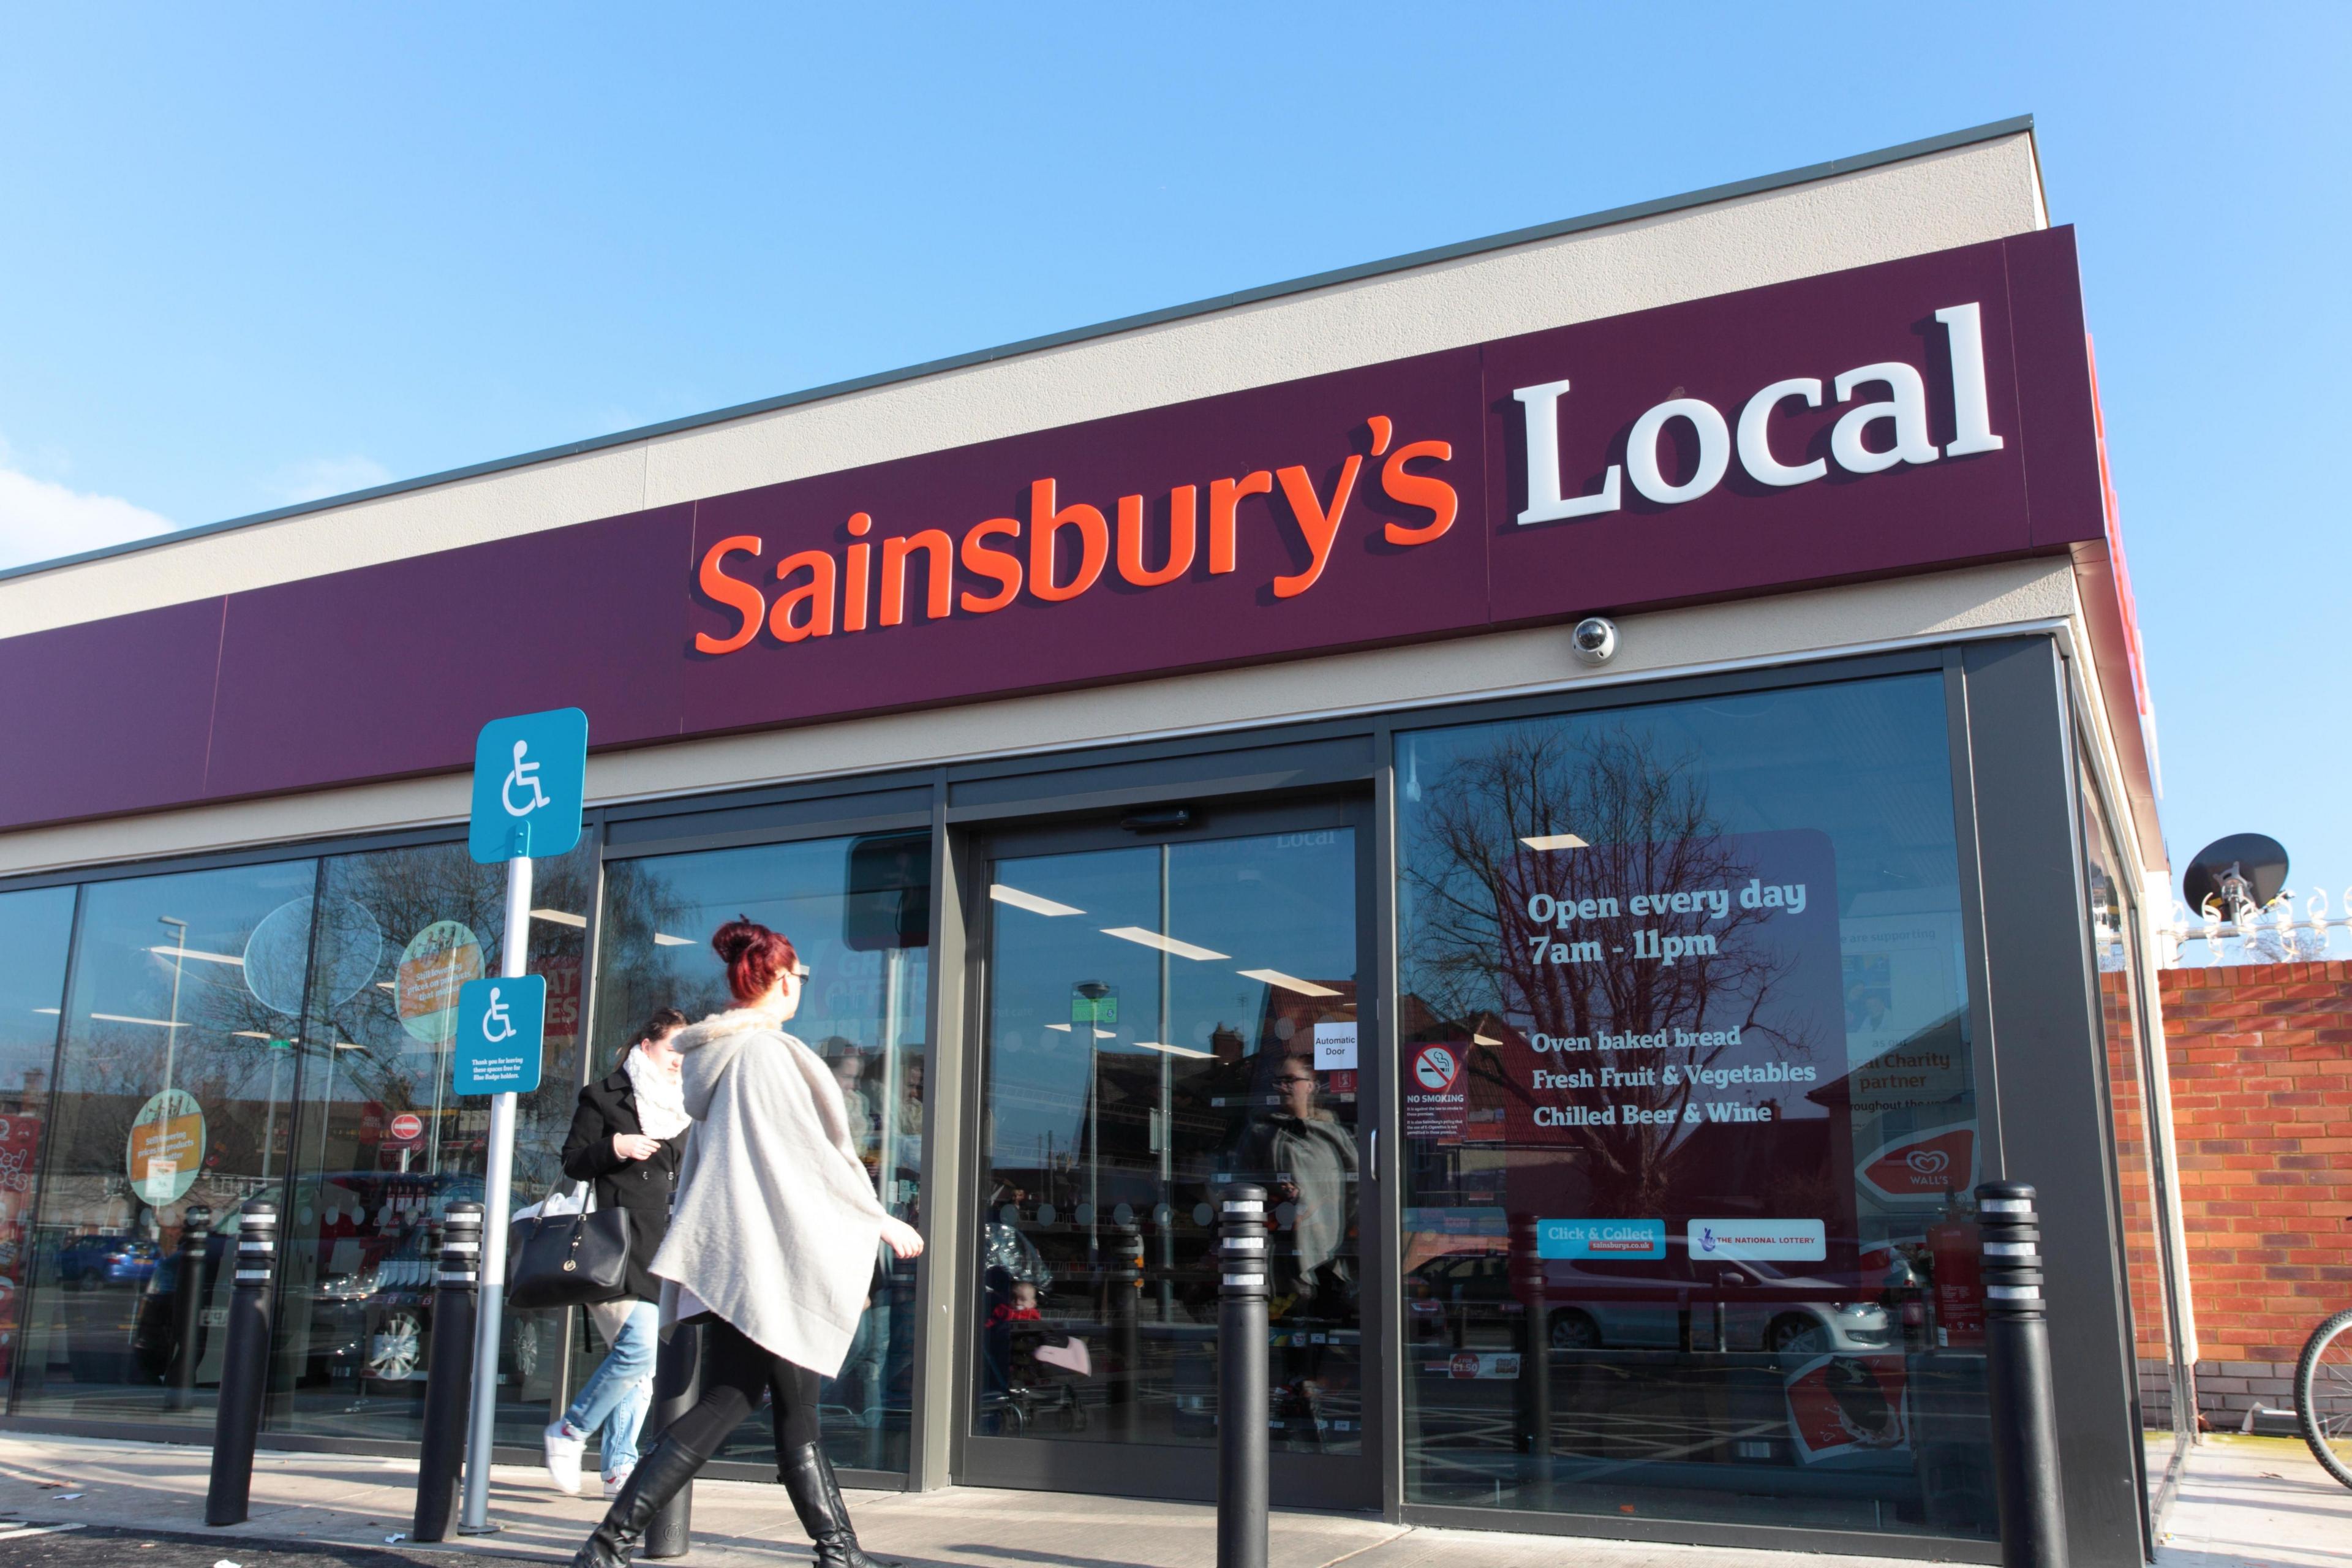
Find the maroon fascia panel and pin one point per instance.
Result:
(388, 670)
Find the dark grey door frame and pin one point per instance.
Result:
(1352, 1482)
(2045, 1106)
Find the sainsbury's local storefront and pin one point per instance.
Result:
(1167, 744)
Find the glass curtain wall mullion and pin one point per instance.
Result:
(274, 1408)
(28, 1218)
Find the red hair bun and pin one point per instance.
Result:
(754, 956)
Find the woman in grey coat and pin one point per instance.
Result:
(770, 1246)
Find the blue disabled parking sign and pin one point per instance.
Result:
(501, 1023)
(531, 776)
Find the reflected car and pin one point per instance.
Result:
(372, 1296)
(1631, 1304)
(92, 1262)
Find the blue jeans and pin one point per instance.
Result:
(622, 1390)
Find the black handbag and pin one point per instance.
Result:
(568, 1259)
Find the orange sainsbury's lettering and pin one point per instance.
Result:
(938, 582)
(1000, 566)
(816, 593)
(734, 593)
(1224, 497)
(820, 590)
(1183, 510)
(856, 583)
(1321, 526)
(1045, 524)
(1425, 490)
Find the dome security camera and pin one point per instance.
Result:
(1594, 639)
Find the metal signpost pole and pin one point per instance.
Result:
(498, 1184)
(531, 777)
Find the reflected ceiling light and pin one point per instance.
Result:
(126, 1018)
(559, 918)
(347, 1046)
(1480, 1038)
(195, 953)
(1030, 901)
(1105, 1033)
(1063, 1027)
(52, 1011)
(249, 1035)
(1288, 981)
(1554, 841)
(385, 985)
(663, 939)
(1164, 943)
(1173, 1051)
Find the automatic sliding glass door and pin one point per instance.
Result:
(1163, 1019)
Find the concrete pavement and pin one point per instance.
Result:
(2247, 1503)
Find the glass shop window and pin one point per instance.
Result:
(382, 1145)
(35, 929)
(1688, 1114)
(174, 1106)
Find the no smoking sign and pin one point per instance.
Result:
(1435, 1068)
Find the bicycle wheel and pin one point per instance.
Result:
(2323, 1395)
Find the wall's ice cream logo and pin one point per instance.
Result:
(1922, 1167)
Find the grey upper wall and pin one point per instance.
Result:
(1948, 191)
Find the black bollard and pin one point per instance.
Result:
(678, 1384)
(1124, 1281)
(1242, 1379)
(2017, 1365)
(188, 1310)
(450, 1377)
(244, 1368)
(1535, 1341)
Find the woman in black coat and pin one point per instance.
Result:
(625, 1140)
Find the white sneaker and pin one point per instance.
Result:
(563, 1452)
(616, 1479)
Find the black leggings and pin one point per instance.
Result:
(735, 1372)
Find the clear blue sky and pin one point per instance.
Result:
(261, 254)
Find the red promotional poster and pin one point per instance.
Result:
(1954, 1245)
(1843, 1406)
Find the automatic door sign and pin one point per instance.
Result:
(530, 774)
(501, 1025)
(1435, 1105)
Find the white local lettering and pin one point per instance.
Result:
(1904, 411)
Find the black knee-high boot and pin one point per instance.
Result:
(807, 1474)
(659, 1476)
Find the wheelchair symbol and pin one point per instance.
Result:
(524, 776)
(496, 1013)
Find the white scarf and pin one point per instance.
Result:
(661, 1096)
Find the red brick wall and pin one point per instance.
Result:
(2261, 1060)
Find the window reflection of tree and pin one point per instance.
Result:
(402, 892)
(1648, 826)
(633, 973)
